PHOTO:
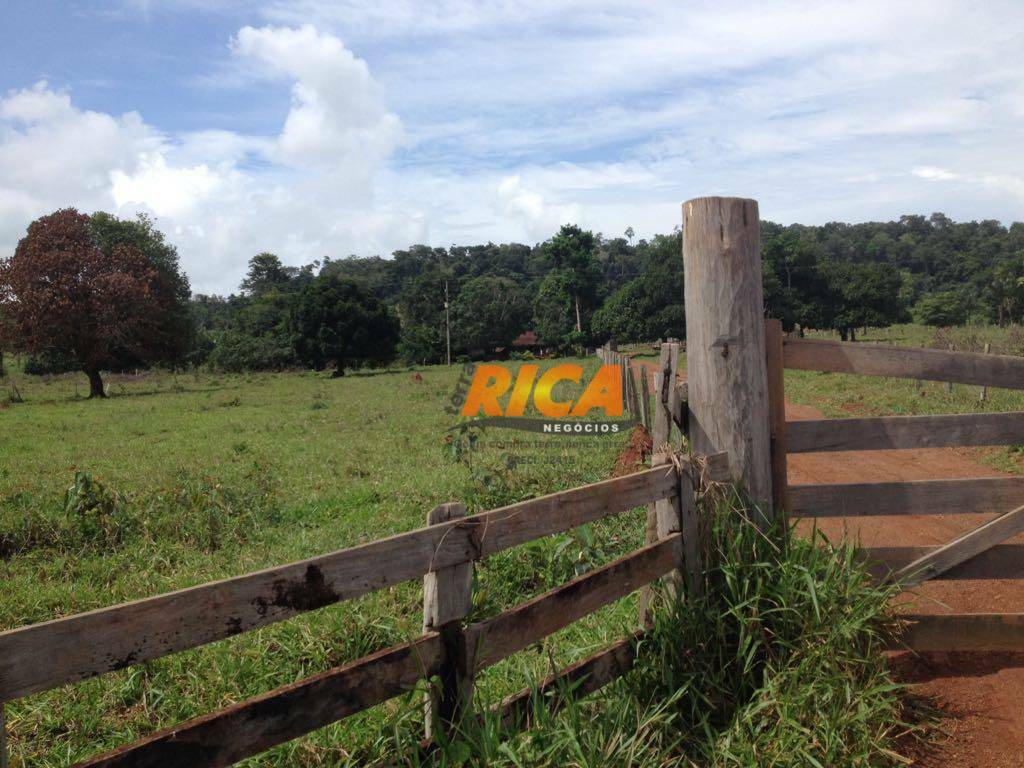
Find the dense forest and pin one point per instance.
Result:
(579, 288)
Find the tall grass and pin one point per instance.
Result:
(779, 663)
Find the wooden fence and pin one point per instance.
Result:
(636, 394)
(978, 554)
(43, 656)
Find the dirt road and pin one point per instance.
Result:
(982, 694)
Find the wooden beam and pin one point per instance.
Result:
(498, 638)
(904, 362)
(1003, 561)
(257, 724)
(447, 601)
(725, 344)
(888, 432)
(963, 632)
(42, 656)
(962, 548)
(579, 679)
(914, 497)
(3, 737)
(661, 431)
(774, 339)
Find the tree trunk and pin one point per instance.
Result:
(853, 334)
(579, 327)
(95, 383)
(843, 334)
(3, 372)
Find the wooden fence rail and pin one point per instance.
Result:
(1002, 561)
(88, 644)
(914, 497)
(905, 432)
(904, 362)
(252, 726)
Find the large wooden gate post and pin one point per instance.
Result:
(725, 341)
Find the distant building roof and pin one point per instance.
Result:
(526, 339)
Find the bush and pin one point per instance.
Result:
(942, 308)
(49, 363)
(235, 352)
(195, 509)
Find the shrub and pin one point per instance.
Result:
(236, 352)
(941, 308)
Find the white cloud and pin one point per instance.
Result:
(539, 217)
(221, 196)
(338, 115)
(53, 153)
(933, 174)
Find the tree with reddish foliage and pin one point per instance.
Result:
(61, 293)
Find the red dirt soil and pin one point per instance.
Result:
(980, 695)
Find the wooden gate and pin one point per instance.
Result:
(978, 554)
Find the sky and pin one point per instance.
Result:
(313, 128)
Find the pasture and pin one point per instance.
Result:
(193, 477)
(180, 479)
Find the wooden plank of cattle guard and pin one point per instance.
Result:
(962, 548)
(963, 632)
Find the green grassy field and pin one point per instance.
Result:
(204, 476)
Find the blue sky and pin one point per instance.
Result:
(331, 127)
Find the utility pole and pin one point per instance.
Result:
(447, 326)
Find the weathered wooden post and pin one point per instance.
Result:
(725, 341)
(984, 390)
(447, 601)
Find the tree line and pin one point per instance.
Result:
(96, 293)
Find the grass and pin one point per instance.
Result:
(180, 479)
